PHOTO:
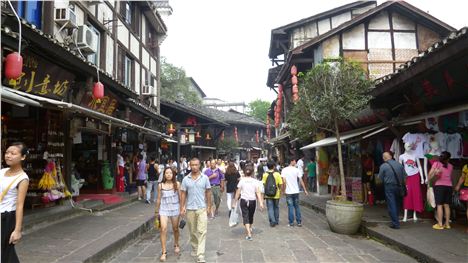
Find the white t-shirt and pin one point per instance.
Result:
(300, 166)
(248, 186)
(395, 148)
(410, 163)
(291, 175)
(454, 145)
(441, 139)
(420, 142)
(9, 201)
(120, 160)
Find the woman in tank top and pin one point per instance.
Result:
(13, 187)
(168, 209)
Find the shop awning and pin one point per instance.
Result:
(344, 136)
(280, 138)
(424, 116)
(92, 113)
(203, 147)
(15, 99)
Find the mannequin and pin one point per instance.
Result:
(414, 170)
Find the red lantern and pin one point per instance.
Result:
(13, 65)
(294, 80)
(208, 137)
(268, 120)
(98, 90)
(257, 136)
(171, 129)
(235, 134)
(280, 88)
(295, 97)
(293, 70)
(197, 135)
(295, 89)
(222, 136)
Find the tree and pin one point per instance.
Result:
(329, 93)
(175, 84)
(227, 145)
(258, 109)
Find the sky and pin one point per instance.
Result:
(224, 44)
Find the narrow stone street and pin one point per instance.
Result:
(314, 242)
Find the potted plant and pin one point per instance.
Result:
(330, 92)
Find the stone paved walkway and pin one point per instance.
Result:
(314, 242)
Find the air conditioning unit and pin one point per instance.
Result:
(147, 90)
(86, 40)
(65, 16)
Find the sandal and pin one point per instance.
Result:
(163, 257)
(176, 249)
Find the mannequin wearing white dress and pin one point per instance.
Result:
(412, 166)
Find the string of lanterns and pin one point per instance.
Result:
(294, 81)
(279, 103)
(236, 137)
(268, 127)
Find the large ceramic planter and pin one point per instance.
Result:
(344, 217)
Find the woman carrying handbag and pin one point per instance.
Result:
(168, 209)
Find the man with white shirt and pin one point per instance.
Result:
(291, 175)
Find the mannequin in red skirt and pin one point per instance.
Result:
(120, 185)
(412, 201)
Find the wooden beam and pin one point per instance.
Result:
(302, 60)
(387, 123)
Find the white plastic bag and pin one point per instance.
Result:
(234, 218)
(430, 197)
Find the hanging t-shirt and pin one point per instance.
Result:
(463, 121)
(419, 141)
(441, 139)
(410, 163)
(434, 147)
(395, 148)
(454, 145)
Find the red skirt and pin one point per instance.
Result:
(414, 200)
(120, 180)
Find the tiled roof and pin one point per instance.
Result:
(192, 109)
(233, 117)
(427, 54)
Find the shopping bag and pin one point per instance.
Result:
(456, 202)
(157, 222)
(234, 217)
(430, 197)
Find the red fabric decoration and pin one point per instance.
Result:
(429, 90)
(448, 79)
(13, 65)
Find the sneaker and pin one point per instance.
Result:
(201, 260)
(139, 198)
(437, 227)
(147, 201)
(299, 224)
(394, 227)
(272, 224)
(290, 225)
(248, 238)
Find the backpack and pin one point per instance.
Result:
(270, 186)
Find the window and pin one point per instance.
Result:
(94, 58)
(30, 10)
(130, 15)
(127, 73)
(126, 11)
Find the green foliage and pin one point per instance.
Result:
(329, 93)
(258, 109)
(175, 84)
(227, 145)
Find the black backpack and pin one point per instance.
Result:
(270, 186)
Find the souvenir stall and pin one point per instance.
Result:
(40, 129)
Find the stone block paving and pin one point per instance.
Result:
(314, 242)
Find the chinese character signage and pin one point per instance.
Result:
(42, 77)
(106, 105)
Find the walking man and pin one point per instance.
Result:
(392, 174)
(311, 175)
(195, 203)
(272, 192)
(216, 177)
(291, 175)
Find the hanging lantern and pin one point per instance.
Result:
(293, 70)
(208, 137)
(235, 134)
(171, 128)
(294, 80)
(280, 88)
(268, 120)
(13, 65)
(198, 136)
(257, 136)
(295, 92)
(98, 91)
(191, 136)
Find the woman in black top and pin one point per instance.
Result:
(152, 184)
(231, 177)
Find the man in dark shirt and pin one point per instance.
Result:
(388, 172)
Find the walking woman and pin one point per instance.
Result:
(141, 177)
(168, 209)
(442, 171)
(249, 192)
(14, 185)
(231, 177)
